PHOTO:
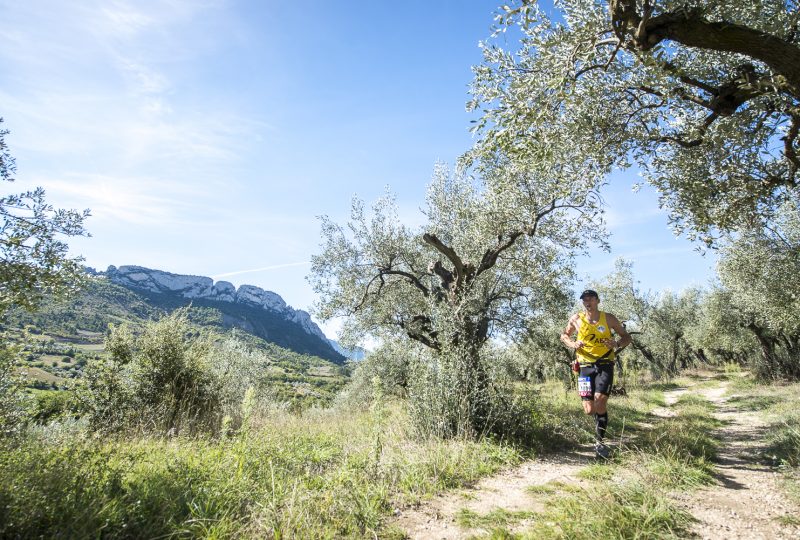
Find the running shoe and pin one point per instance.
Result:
(601, 450)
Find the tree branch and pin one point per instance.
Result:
(411, 277)
(690, 28)
(419, 329)
(504, 242)
(461, 270)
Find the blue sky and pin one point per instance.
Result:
(206, 136)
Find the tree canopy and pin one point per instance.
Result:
(491, 253)
(703, 96)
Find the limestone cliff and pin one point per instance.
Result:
(201, 287)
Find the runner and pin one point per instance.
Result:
(595, 349)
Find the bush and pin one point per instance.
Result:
(389, 365)
(51, 405)
(160, 382)
(172, 381)
(462, 394)
(238, 369)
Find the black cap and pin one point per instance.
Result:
(589, 292)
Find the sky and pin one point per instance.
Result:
(207, 136)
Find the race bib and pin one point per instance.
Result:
(584, 386)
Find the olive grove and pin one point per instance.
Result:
(493, 252)
(760, 267)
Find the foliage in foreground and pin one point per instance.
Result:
(323, 475)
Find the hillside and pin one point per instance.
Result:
(62, 337)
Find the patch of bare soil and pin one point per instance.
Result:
(436, 520)
(747, 501)
(670, 398)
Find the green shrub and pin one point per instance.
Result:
(160, 381)
(390, 364)
(51, 405)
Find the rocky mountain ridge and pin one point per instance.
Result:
(201, 287)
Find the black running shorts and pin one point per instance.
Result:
(595, 379)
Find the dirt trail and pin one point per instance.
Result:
(746, 502)
(436, 519)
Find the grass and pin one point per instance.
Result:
(323, 475)
(631, 510)
(340, 474)
(498, 517)
(777, 405)
(38, 374)
(754, 402)
(553, 487)
(597, 472)
(559, 422)
(792, 521)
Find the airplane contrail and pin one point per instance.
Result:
(273, 267)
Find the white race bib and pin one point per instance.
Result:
(584, 386)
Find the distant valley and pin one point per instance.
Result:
(62, 337)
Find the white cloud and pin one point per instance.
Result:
(643, 213)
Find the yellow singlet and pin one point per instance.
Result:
(592, 336)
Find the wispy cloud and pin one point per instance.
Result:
(134, 200)
(632, 215)
(262, 269)
(94, 94)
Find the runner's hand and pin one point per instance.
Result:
(579, 345)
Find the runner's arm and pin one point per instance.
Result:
(566, 335)
(624, 338)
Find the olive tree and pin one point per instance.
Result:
(720, 330)
(703, 96)
(759, 267)
(493, 252)
(34, 262)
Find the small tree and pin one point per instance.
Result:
(33, 261)
(492, 253)
(171, 379)
(158, 381)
